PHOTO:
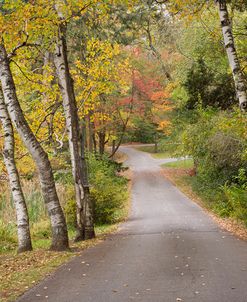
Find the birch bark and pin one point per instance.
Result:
(23, 230)
(239, 80)
(85, 226)
(58, 223)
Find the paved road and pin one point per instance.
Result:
(168, 251)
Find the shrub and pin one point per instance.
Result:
(70, 212)
(217, 141)
(237, 202)
(109, 190)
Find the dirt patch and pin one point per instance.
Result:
(173, 173)
(175, 176)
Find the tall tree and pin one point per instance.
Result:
(240, 84)
(84, 205)
(58, 223)
(23, 230)
(189, 8)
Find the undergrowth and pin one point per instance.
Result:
(228, 200)
(108, 190)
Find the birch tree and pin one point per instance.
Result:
(190, 8)
(239, 80)
(84, 206)
(58, 223)
(23, 230)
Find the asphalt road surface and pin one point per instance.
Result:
(168, 251)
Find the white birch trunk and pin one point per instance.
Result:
(58, 223)
(23, 231)
(85, 226)
(239, 80)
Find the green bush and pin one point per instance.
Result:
(218, 144)
(70, 212)
(108, 190)
(235, 196)
(237, 202)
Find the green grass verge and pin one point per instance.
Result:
(184, 164)
(151, 150)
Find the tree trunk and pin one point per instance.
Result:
(84, 134)
(239, 80)
(156, 146)
(156, 53)
(89, 136)
(116, 147)
(72, 124)
(88, 205)
(101, 135)
(91, 133)
(58, 223)
(113, 146)
(23, 230)
(94, 138)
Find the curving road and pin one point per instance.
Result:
(168, 251)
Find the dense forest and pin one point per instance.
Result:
(80, 78)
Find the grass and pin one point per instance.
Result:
(151, 150)
(183, 164)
